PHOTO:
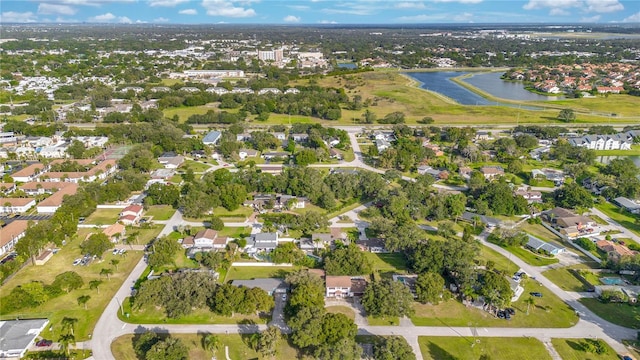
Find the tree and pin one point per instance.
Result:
(287, 253)
(66, 341)
(95, 284)
(96, 244)
(268, 340)
(216, 223)
(161, 194)
(82, 300)
(115, 263)
(530, 301)
(387, 298)
(164, 251)
(345, 349)
(349, 260)
(496, 289)
(573, 196)
(68, 325)
(306, 157)
(76, 149)
(567, 115)
(106, 272)
(68, 281)
(142, 343)
(211, 343)
(336, 327)
(169, 349)
(232, 196)
(429, 287)
(393, 348)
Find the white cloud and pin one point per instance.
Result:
(410, 5)
(635, 18)
(124, 20)
(298, 7)
(603, 6)
(590, 19)
(60, 19)
(327, 22)
(17, 17)
(421, 18)
(559, 12)
(92, 2)
(166, 3)
(160, 20)
(55, 9)
(188, 12)
(464, 17)
(556, 7)
(291, 19)
(226, 8)
(102, 18)
(459, 1)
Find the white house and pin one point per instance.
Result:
(16, 205)
(10, 235)
(131, 214)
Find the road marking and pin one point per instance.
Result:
(123, 325)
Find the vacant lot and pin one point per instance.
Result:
(621, 314)
(571, 349)
(345, 310)
(103, 217)
(623, 218)
(453, 348)
(160, 212)
(253, 272)
(387, 264)
(122, 347)
(565, 279)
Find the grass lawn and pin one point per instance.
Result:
(635, 151)
(235, 232)
(539, 231)
(103, 217)
(530, 257)
(309, 207)
(66, 305)
(186, 111)
(253, 272)
(122, 347)
(565, 279)
(160, 212)
(145, 235)
(241, 212)
(387, 264)
(383, 321)
(623, 218)
(454, 348)
(152, 315)
(341, 310)
(621, 104)
(571, 349)
(621, 314)
(196, 166)
(548, 311)
(598, 219)
(500, 262)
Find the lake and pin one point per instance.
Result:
(494, 85)
(607, 159)
(347, 65)
(440, 82)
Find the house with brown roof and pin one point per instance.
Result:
(30, 173)
(131, 214)
(570, 224)
(492, 172)
(53, 202)
(614, 251)
(99, 172)
(115, 232)
(7, 188)
(16, 205)
(10, 234)
(344, 286)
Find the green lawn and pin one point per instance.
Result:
(565, 279)
(571, 349)
(530, 257)
(548, 311)
(196, 166)
(621, 104)
(383, 321)
(103, 217)
(145, 235)
(635, 151)
(152, 315)
(500, 262)
(342, 310)
(621, 314)
(235, 232)
(539, 231)
(454, 348)
(160, 212)
(387, 264)
(253, 272)
(184, 112)
(623, 218)
(122, 347)
(67, 305)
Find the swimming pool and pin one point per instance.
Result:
(612, 281)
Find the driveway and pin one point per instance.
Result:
(277, 316)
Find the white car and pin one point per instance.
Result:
(284, 297)
(77, 262)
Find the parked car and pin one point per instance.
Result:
(510, 311)
(44, 343)
(115, 251)
(284, 297)
(77, 262)
(536, 294)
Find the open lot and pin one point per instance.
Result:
(571, 349)
(565, 279)
(196, 166)
(621, 314)
(339, 309)
(103, 217)
(387, 264)
(66, 305)
(453, 348)
(160, 212)
(623, 218)
(539, 231)
(143, 236)
(253, 272)
(383, 321)
(500, 262)
(122, 347)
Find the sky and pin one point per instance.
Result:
(319, 11)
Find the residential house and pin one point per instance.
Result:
(486, 220)
(335, 154)
(263, 242)
(437, 174)
(614, 251)
(620, 141)
(16, 205)
(300, 137)
(627, 204)
(483, 135)
(53, 202)
(7, 188)
(243, 137)
(18, 336)
(247, 153)
(492, 172)
(570, 224)
(171, 162)
(538, 245)
(10, 234)
(131, 214)
(271, 286)
(408, 281)
(115, 232)
(29, 173)
(291, 202)
(280, 136)
(557, 176)
(530, 195)
(271, 169)
(205, 238)
(274, 154)
(212, 138)
(344, 286)
(465, 172)
(382, 145)
(321, 240)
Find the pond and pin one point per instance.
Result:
(512, 90)
(347, 65)
(440, 82)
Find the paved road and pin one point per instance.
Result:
(627, 233)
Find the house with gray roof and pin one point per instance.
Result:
(628, 204)
(17, 335)
(486, 220)
(536, 244)
(262, 242)
(212, 137)
(620, 141)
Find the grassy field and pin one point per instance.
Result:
(122, 347)
(103, 217)
(253, 272)
(387, 264)
(196, 166)
(66, 305)
(539, 231)
(152, 315)
(454, 348)
(235, 232)
(345, 310)
(571, 349)
(548, 311)
(184, 112)
(383, 321)
(621, 104)
(621, 314)
(500, 262)
(145, 235)
(160, 212)
(635, 151)
(532, 258)
(565, 279)
(623, 218)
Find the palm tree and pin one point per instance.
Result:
(115, 263)
(82, 300)
(68, 324)
(107, 272)
(95, 284)
(211, 342)
(530, 301)
(65, 341)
